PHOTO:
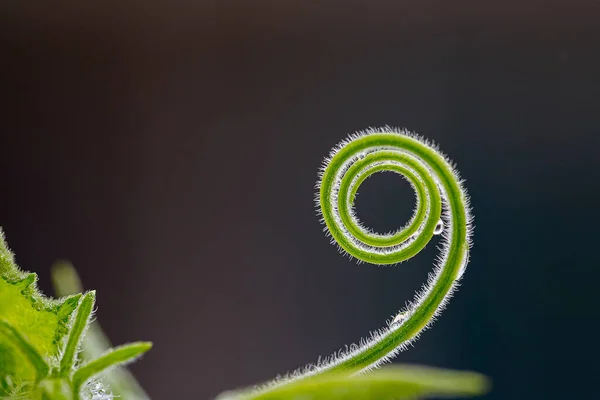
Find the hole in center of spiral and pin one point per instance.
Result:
(385, 202)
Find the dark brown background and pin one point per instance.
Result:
(169, 149)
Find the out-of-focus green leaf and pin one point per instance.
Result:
(390, 383)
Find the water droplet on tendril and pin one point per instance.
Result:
(398, 319)
(439, 228)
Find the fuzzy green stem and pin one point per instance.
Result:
(80, 322)
(119, 355)
(440, 199)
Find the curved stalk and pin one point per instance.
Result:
(442, 208)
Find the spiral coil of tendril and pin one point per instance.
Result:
(436, 184)
(337, 200)
(367, 153)
(439, 194)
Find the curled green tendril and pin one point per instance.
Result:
(436, 184)
(442, 207)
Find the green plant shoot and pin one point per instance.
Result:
(41, 338)
(44, 354)
(442, 208)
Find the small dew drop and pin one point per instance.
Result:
(398, 319)
(98, 392)
(439, 228)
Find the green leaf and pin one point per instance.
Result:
(117, 356)
(21, 344)
(41, 321)
(80, 322)
(389, 383)
(122, 383)
(40, 340)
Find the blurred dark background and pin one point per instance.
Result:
(169, 150)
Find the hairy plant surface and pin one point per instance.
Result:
(46, 355)
(40, 341)
(442, 209)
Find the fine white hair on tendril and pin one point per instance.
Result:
(443, 198)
